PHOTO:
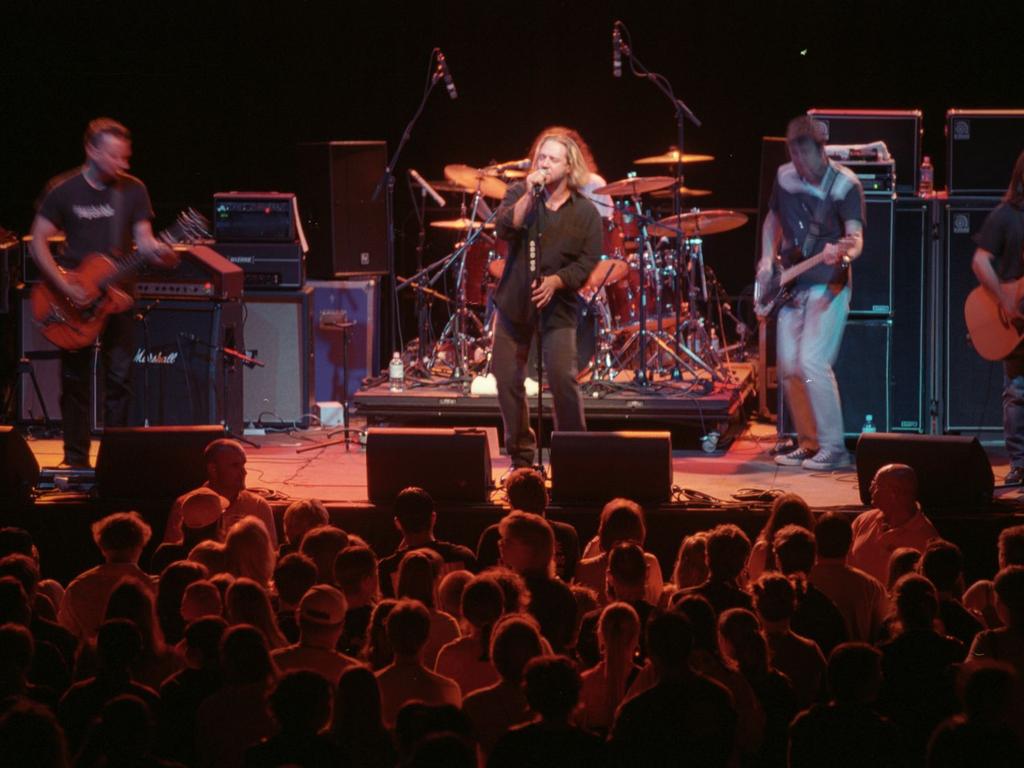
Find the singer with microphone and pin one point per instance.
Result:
(554, 236)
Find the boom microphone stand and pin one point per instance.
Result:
(437, 70)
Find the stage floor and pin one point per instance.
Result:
(338, 476)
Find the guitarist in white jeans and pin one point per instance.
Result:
(816, 207)
(998, 264)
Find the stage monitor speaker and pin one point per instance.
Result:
(595, 467)
(19, 470)
(278, 333)
(152, 462)
(872, 291)
(190, 380)
(449, 464)
(346, 228)
(862, 372)
(972, 386)
(353, 301)
(952, 471)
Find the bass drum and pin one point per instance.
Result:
(481, 257)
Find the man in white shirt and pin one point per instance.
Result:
(225, 472)
(897, 521)
(321, 617)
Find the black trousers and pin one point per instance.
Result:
(509, 361)
(116, 350)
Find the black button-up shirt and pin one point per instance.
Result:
(570, 246)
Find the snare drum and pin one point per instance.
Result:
(624, 296)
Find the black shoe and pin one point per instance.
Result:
(1014, 477)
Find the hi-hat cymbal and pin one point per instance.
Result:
(460, 224)
(672, 157)
(471, 178)
(684, 191)
(698, 223)
(635, 185)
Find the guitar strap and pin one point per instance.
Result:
(818, 217)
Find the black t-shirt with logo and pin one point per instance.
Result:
(86, 214)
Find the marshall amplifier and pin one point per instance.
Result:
(982, 146)
(254, 217)
(267, 265)
(180, 375)
(900, 129)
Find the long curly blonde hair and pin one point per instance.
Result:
(579, 172)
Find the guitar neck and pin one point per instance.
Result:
(792, 273)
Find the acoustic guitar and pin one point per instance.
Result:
(992, 333)
(68, 325)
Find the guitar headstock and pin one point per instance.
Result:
(190, 227)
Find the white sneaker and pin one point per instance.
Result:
(794, 458)
(827, 459)
(531, 387)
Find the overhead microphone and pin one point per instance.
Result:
(616, 51)
(425, 185)
(442, 68)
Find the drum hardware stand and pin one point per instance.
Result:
(143, 316)
(606, 362)
(26, 368)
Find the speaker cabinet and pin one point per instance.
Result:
(190, 379)
(594, 467)
(449, 464)
(972, 386)
(152, 463)
(900, 129)
(912, 241)
(357, 302)
(863, 374)
(872, 273)
(278, 333)
(19, 470)
(982, 146)
(346, 228)
(45, 359)
(952, 471)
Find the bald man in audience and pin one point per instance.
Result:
(896, 521)
(225, 474)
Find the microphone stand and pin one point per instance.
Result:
(387, 184)
(533, 262)
(143, 316)
(230, 355)
(683, 113)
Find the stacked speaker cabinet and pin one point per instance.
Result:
(278, 332)
(972, 386)
(345, 226)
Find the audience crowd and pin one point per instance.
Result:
(826, 641)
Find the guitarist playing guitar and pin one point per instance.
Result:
(100, 208)
(816, 212)
(995, 309)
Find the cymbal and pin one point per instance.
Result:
(470, 178)
(698, 223)
(634, 185)
(672, 157)
(460, 224)
(448, 186)
(606, 272)
(684, 191)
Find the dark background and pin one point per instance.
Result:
(218, 94)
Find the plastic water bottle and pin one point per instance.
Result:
(926, 182)
(396, 373)
(869, 424)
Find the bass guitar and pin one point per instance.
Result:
(774, 291)
(69, 325)
(994, 334)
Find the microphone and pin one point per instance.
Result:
(539, 188)
(616, 51)
(427, 188)
(442, 68)
(515, 165)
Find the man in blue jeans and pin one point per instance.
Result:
(816, 207)
(997, 261)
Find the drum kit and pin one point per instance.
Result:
(642, 310)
